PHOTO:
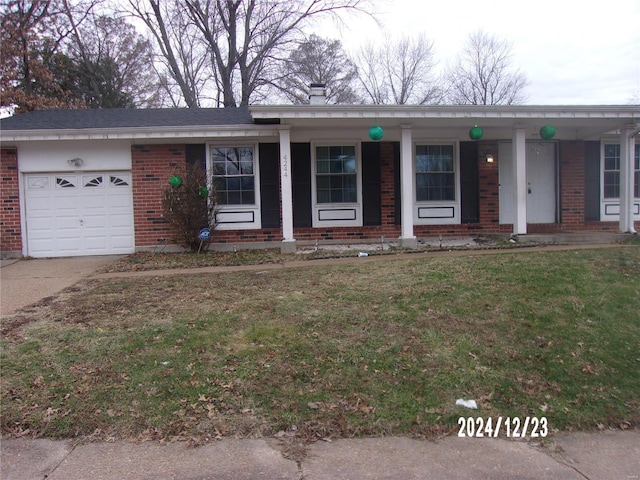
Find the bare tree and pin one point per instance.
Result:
(181, 52)
(113, 62)
(400, 73)
(482, 74)
(238, 44)
(318, 60)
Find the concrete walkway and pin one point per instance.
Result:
(577, 456)
(23, 282)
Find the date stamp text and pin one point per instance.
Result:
(513, 427)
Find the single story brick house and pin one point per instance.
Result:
(88, 182)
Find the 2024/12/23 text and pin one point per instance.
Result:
(513, 427)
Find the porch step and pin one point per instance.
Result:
(573, 238)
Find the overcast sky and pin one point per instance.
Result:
(572, 52)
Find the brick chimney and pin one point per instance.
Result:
(318, 94)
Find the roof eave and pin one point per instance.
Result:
(139, 133)
(445, 111)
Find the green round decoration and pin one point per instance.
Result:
(475, 133)
(376, 133)
(548, 132)
(175, 181)
(203, 192)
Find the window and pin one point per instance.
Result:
(435, 173)
(611, 182)
(336, 174)
(64, 183)
(234, 175)
(118, 181)
(93, 181)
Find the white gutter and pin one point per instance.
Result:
(146, 133)
(445, 112)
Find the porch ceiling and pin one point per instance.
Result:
(497, 122)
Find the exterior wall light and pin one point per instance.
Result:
(76, 162)
(489, 158)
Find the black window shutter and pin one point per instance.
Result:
(592, 181)
(301, 173)
(371, 193)
(469, 190)
(196, 154)
(269, 184)
(396, 183)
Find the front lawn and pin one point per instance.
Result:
(372, 348)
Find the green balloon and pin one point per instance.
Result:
(203, 192)
(376, 133)
(475, 133)
(548, 132)
(175, 181)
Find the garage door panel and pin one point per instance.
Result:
(86, 214)
(66, 203)
(94, 244)
(41, 203)
(93, 204)
(66, 222)
(40, 223)
(119, 221)
(41, 246)
(122, 205)
(124, 242)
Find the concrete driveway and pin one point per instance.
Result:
(24, 282)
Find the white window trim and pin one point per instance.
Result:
(437, 212)
(327, 215)
(610, 207)
(238, 217)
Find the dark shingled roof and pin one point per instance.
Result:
(126, 118)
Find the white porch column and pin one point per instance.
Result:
(627, 150)
(520, 181)
(407, 239)
(288, 242)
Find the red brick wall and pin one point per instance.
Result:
(488, 201)
(572, 194)
(488, 187)
(387, 189)
(571, 185)
(152, 167)
(10, 229)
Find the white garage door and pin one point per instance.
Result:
(79, 214)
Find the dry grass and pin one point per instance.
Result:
(332, 351)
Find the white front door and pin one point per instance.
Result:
(88, 213)
(541, 183)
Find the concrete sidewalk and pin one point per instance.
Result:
(575, 456)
